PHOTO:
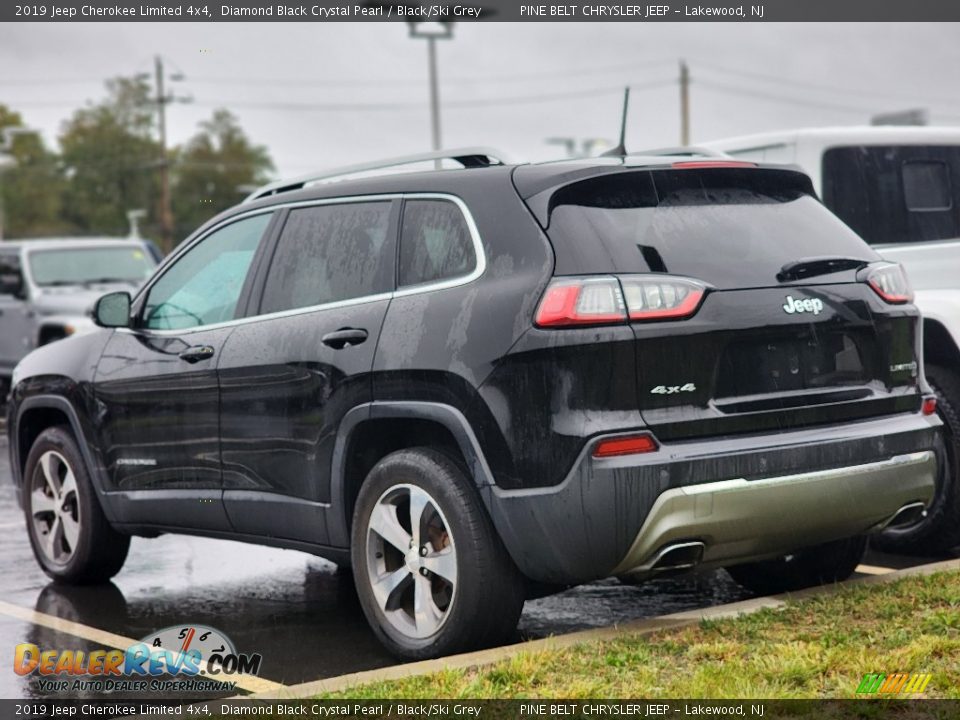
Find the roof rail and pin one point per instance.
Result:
(688, 150)
(468, 157)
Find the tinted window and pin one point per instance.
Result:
(435, 242)
(732, 229)
(77, 266)
(329, 253)
(926, 186)
(10, 275)
(205, 284)
(895, 194)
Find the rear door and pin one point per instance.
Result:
(755, 349)
(291, 372)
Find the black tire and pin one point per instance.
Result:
(820, 565)
(480, 609)
(98, 551)
(939, 531)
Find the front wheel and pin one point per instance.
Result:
(432, 575)
(70, 537)
(820, 565)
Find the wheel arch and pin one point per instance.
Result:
(369, 432)
(939, 346)
(36, 414)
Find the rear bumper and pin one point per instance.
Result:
(723, 501)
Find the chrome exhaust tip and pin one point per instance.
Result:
(907, 515)
(679, 556)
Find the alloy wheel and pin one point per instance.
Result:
(411, 561)
(54, 508)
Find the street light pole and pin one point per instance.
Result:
(431, 32)
(434, 92)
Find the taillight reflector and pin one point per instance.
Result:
(630, 445)
(929, 406)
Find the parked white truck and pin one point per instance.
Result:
(899, 188)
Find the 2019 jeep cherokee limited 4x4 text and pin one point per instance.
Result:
(467, 382)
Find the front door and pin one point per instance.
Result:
(156, 384)
(288, 377)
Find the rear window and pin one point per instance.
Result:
(730, 228)
(896, 193)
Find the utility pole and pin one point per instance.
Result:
(165, 211)
(431, 32)
(684, 104)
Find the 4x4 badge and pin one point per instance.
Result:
(810, 305)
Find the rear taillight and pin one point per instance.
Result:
(929, 406)
(581, 301)
(607, 300)
(628, 445)
(661, 297)
(890, 282)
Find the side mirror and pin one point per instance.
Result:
(113, 310)
(11, 283)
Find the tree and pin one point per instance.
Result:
(210, 169)
(30, 189)
(111, 160)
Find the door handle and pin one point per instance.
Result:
(344, 337)
(197, 353)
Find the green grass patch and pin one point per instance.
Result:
(817, 647)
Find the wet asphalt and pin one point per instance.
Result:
(300, 612)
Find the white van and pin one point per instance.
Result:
(899, 188)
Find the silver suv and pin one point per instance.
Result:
(48, 288)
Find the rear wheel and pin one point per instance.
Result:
(820, 565)
(432, 575)
(70, 537)
(939, 530)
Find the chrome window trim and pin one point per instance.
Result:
(478, 270)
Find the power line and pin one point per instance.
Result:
(820, 87)
(776, 97)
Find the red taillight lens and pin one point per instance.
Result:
(700, 164)
(890, 282)
(630, 445)
(581, 301)
(661, 297)
(929, 406)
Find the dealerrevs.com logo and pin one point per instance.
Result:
(182, 658)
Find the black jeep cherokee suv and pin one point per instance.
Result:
(468, 383)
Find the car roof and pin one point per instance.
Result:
(65, 243)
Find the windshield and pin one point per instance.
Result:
(85, 266)
(731, 229)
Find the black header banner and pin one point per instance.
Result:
(481, 11)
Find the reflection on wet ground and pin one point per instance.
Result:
(298, 611)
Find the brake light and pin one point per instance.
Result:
(605, 300)
(581, 301)
(661, 297)
(929, 406)
(630, 445)
(700, 164)
(890, 282)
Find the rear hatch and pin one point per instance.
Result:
(753, 307)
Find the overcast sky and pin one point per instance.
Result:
(320, 95)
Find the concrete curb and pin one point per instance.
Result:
(648, 626)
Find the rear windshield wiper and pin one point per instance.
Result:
(814, 266)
